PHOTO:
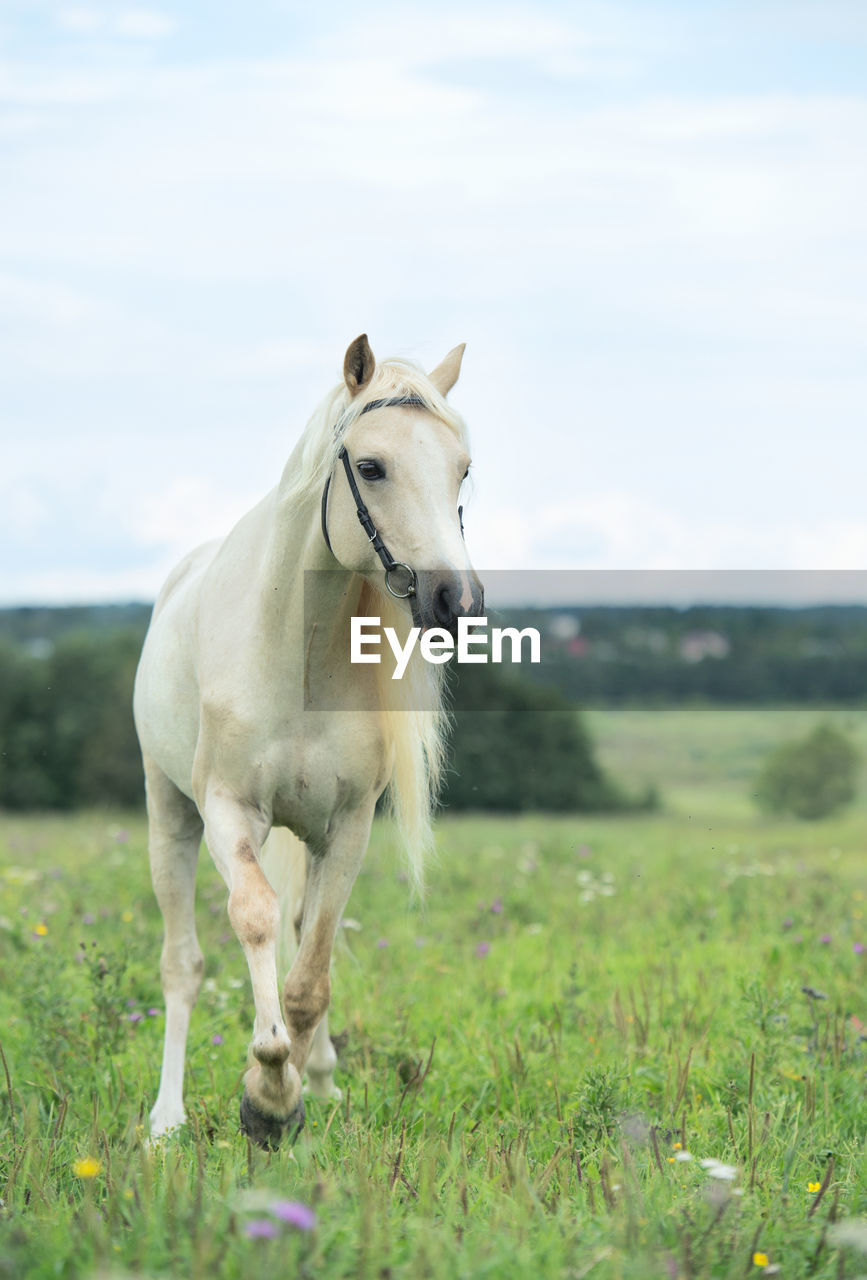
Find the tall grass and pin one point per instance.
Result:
(527, 1062)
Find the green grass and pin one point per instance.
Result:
(509, 1109)
(704, 758)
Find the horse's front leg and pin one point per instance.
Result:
(271, 1104)
(307, 989)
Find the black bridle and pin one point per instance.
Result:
(364, 518)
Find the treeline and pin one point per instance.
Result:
(714, 654)
(615, 654)
(67, 738)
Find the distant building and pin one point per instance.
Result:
(695, 646)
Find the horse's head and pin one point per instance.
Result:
(392, 501)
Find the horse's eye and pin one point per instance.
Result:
(370, 470)
(464, 476)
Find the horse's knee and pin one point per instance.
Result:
(306, 998)
(181, 970)
(254, 912)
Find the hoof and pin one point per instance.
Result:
(268, 1131)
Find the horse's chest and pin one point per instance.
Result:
(314, 779)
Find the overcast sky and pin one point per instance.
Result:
(646, 220)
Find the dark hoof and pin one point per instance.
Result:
(268, 1131)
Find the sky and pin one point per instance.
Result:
(646, 220)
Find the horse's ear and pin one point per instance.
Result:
(358, 364)
(445, 375)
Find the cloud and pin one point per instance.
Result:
(662, 283)
(130, 23)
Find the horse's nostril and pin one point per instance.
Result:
(443, 609)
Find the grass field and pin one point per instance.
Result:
(536, 1064)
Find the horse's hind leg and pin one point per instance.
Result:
(175, 832)
(321, 1064)
(322, 1058)
(307, 990)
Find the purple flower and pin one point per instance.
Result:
(217, 1039)
(584, 851)
(261, 1229)
(295, 1213)
(858, 948)
(121, 837)
(153, 1013)
(497, 907)
(382, 942)
(482, 948)
(788, 922)
(136, 1017)
(825, 939)
(88, 918)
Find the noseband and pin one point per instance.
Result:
(364, 518)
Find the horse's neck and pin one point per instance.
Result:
(305, 598)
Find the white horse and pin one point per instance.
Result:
(250, 718)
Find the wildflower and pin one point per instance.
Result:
(760, 1259)
(41, 930)
(858, 948)
(813, 1187)
(88, 918)
(153, 1013)
(788, 922)
(261, 1229)
(852, 1232)
(716, 1169)
(295, 1213)
(381, 943)
(121, 837)
(217, 1039)
(497, 907)
(482, 948)
(825, 939)
(126, 917)
(135, 1016)
(683, 1156)
(86, 1167)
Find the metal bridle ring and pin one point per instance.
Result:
(410, 591)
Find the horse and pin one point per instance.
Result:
(256, 733)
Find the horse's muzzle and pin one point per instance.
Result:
(442, 597)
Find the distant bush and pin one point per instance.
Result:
(518, 747)
(811, 777)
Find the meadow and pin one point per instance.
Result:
(615, 1047)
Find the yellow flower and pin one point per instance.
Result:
(126, 917)
(814, 1186)
(676, 1146)
(87, 1167)
(760, 1259)
(41, 930)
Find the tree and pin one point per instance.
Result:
(517, 746)
(810, 777)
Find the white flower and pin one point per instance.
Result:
(716, 1169)
(851, 1231)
